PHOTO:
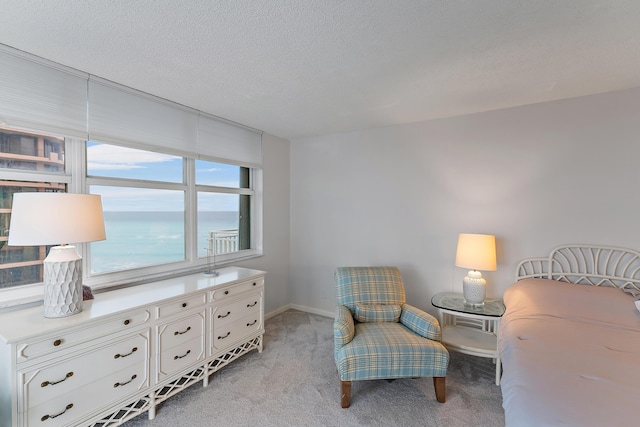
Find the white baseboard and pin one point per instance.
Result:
(313, 310)
(300, 308)
(277, 311)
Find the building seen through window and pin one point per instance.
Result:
(28, 152)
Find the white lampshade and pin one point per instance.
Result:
(55, 218)
(39, 219)
(476, 251)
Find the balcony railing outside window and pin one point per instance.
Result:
(223, 241)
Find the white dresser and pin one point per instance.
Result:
(128, 350)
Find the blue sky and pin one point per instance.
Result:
(121, 162)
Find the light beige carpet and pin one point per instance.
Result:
(294, 382)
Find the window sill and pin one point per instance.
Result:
(32, 294)
(22, 295)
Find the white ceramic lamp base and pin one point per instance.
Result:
(62, 282)
(474, 288)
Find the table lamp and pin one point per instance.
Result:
(476, 252)
(42, 219)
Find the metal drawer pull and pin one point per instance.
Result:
(46, 383)
(57, 343)
(254, 283)
(252, 305)
(221, 316)
(46, 417)
(184, 304)
(252, 323)
(226, 292)
(126, 322)
(183, 332)
(223, 337)
(133, 377)
(180, 357)
(133, 350)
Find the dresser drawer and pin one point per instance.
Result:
(63, 409)
(42, 384)
(237, 289)
(179, 357)
(180, 331)
(231, 312)
(50, 345)
(182, 305)
(230, 334)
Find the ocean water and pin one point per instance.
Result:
(140, 239)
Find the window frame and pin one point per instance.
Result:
(77, 180)
(202, 188)
(192, 262)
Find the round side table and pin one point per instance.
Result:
(470, 329)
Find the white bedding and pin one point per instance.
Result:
(571, 355)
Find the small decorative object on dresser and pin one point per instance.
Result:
(477, 252)
(128, 350)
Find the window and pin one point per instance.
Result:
(143, 200)
(224, 208)
(163, 213)
(32, 162)
(147, 210)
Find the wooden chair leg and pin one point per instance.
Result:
(345, 393)
(438, 384)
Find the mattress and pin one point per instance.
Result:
(571, 355)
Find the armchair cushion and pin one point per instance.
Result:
(378, 312)
(343, 327)
(420, 322)
(390, 350)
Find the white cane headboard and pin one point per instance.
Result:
(587, 265)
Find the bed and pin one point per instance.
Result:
(569, 340)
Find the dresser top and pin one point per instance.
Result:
(30, 322)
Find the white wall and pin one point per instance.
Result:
(275, 222)
(536, 176)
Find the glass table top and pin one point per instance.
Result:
(455, 302)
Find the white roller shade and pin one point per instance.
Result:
(123, 116)
(229, 142)
(38, 94)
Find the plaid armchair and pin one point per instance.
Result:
(378, 336)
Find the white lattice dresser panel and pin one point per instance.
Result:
(128, 350)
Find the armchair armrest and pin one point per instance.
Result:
(420, 322)
(343, 327)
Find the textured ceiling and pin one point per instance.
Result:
(298, 68)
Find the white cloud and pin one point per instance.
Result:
(112, 157)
